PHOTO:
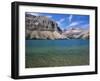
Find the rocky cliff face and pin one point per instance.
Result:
(76, 33)
(41, 27)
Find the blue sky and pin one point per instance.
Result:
(66, 21)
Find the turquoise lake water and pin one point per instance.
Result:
(57, 43)
(52, 53)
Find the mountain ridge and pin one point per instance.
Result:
(42, 27)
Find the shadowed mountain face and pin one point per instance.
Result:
(41, 27)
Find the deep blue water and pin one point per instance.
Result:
(57, 43)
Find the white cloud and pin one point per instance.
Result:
(70, 18)
(49, 16)
(73, 24)
(85, 26)
(36, 14)
(60, 21)
(78, 23)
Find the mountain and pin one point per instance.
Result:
(41, 27)
(76, 33)
(84, 34)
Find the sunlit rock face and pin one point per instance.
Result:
(41, 27)
(76, 33)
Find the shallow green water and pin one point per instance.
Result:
(54, 53)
